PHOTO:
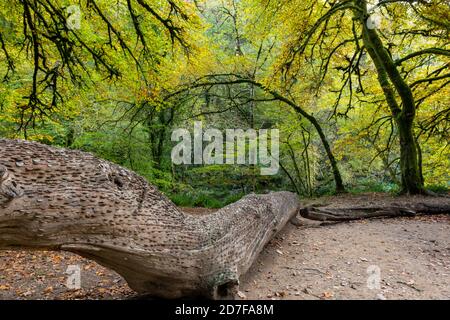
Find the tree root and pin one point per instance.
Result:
(359, 213)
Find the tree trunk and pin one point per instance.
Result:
(56, 199)
(334, 166)
(336, 173)
(411, 179)
(392, 84)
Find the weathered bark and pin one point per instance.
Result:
(360, 213)
(57, 199)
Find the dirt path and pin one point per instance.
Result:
(410, 255)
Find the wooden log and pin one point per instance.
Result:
(371, 212)
(57, 199)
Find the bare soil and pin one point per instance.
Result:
(311, 261)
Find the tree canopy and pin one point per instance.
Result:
(358, 88)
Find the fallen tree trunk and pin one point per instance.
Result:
(56, 199)
(358, 213)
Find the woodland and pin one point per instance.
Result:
(358, 89)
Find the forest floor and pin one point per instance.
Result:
(312, 261)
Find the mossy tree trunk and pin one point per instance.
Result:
(394, 87)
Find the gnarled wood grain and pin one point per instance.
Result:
(69, 200)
